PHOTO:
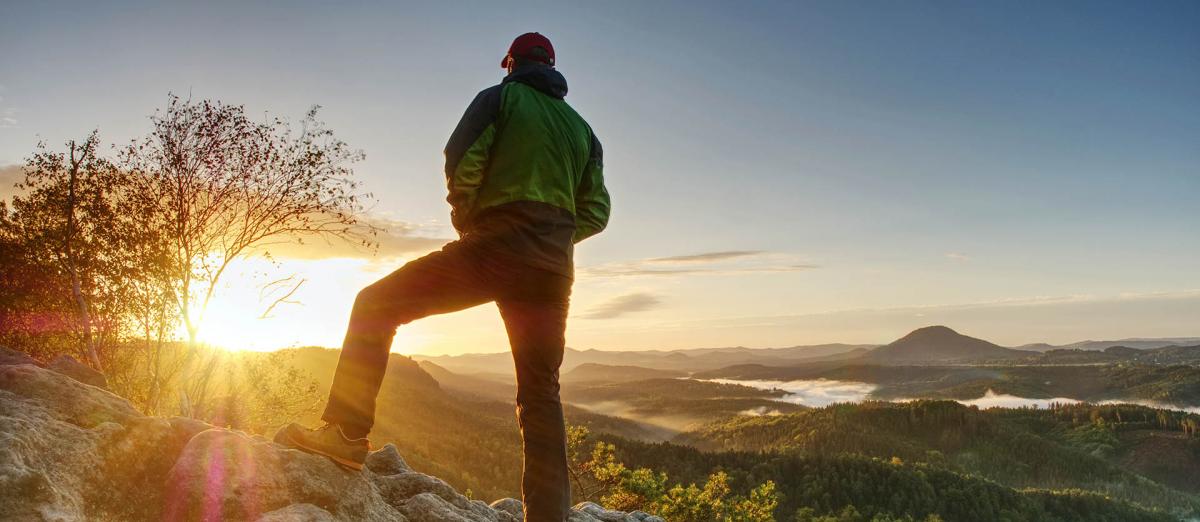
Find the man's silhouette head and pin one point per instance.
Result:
(527, 49)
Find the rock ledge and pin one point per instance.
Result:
(71, 450)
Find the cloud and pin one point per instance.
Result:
(816, 393)
(395, 239)
(622, 271)
(400, 238)
(8, 115)
(621, 305)
(1009, 321)
(708, 263)
(706, 257)
(760, 411)
(958, 256)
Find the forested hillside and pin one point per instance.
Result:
(867, 489)
(1065, 447)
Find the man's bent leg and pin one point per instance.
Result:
(441, 282)
(536, 330)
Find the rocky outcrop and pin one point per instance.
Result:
(73, 451)
(69, 366)
(8, 356)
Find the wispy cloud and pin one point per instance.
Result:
(815, 393)
(395, 239)
(706, 257)
(625, 304)
(759, 411)
(958, 256)
(706, 263)
(8, 115)
(1049, 318)
(400, 238)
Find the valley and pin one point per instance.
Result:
(935, 411)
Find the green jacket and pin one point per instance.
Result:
(522, 149)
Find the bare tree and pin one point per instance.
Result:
(108, 258)
(224, 187)
(273, 288)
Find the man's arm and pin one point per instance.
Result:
(592, 205)
(467, 155)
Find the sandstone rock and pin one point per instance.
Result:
(72, 451)
(580, 516)
(138, 456)
(58, 463)
(9, 357)
(597, 512)
(230, 476)
(67, 365)
(387, 461)
(66, 398)
(427, 507)
(43, 462)
(186, 428)
(511, 507)
(483, 511)
(397, 488)
(298, 513)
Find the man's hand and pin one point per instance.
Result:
(460, 222)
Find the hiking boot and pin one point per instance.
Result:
(329, 441)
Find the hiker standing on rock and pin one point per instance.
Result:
(524, 172)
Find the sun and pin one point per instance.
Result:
(244, 313)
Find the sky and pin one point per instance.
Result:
(781, 173)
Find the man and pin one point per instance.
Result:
(524, 172)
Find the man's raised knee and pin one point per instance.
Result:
(368, 295)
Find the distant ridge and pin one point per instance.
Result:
(931, 344)
(941, 344)
(1138, 343)
(476, 386)
(610, 373)
(688, 360)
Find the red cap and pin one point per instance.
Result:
(525, 43)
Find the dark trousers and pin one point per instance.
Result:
(533, 303)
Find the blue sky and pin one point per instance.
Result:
(859, 158)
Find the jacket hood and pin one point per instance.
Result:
(541, 77)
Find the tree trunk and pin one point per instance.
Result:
(76, 290)
(85, 320)
(156, 385)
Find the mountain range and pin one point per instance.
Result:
(928, 345)
(1138, 343)
(675, 360)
